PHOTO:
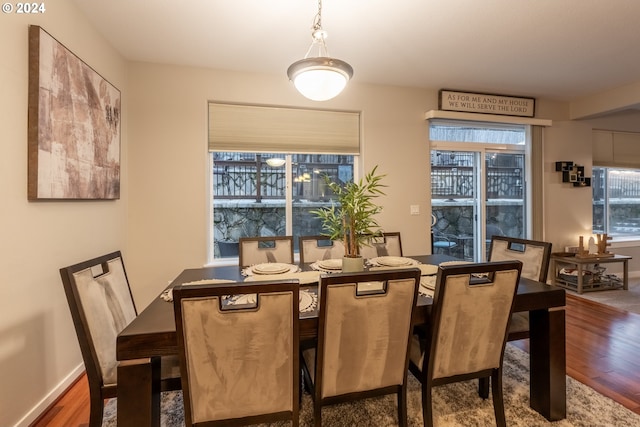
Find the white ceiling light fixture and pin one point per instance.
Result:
(320, 77)
(275, 162)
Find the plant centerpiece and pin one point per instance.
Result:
(353, 221)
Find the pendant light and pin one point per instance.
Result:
(320, 77)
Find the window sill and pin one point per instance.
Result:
(625, 242)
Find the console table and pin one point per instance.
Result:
(581, 285)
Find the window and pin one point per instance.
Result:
(616, 201)
(268, 166)
(250, 196)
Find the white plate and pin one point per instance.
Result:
(331, 264)
(271, 268)
(394, 261)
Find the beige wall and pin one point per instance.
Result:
(39, 353)
(161, 221)
(568, 209)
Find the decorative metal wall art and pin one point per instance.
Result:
(573, 174)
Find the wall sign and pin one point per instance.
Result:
(470, 102)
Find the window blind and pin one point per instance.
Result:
(252, 128)
(616, 149)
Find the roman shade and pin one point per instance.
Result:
(616, 149)
(254, 128)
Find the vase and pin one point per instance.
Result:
(352, 265)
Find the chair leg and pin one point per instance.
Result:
(483, 387)
(96, 410)
(427, 408)
(498, 401)
(302, 387)
(317, 413)
(402, 405)
(295, 422)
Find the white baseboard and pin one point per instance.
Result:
(57, 391)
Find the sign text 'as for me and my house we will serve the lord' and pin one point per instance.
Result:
(486, 103)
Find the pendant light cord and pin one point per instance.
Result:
(318, 35)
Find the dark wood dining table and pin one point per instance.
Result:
(153, 334)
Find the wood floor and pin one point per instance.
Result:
(603, 344)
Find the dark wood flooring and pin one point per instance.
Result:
(603, 348)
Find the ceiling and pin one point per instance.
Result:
(557, 49)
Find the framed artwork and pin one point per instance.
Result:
(74, 125)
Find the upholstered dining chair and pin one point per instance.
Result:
(256, 250)
(363, 339)
(239, 362)
(101, 306)
(535, 256)
(317, 248)
(389, 244)
(468, 330)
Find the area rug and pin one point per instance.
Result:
(628, 300)
(454, 405)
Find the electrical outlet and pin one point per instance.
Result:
(415, 209)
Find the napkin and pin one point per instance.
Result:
(308, 300)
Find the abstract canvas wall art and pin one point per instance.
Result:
(74, 125)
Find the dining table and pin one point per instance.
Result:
(152, 334)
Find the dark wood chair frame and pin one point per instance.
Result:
(315, 388)
(220, 290)
(544, 269)
(381, 238)
(425, 375)
(520, 318)
(98, 391)
(393, 234)
(318, 238)
(259, 240)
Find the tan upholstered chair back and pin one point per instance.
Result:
(389, 244)
(256, 250)
(363, 339)
(317, 248)
(101, 303)
(240, 362)
(534, 255)
(470, 320)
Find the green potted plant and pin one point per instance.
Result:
(353, 221)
